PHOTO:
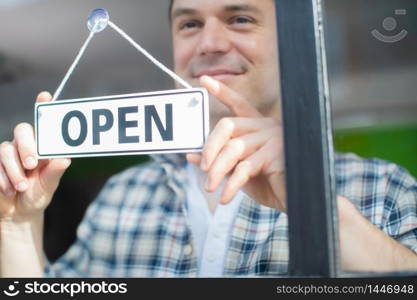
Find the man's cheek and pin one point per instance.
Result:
(181, 68)
(179, 59)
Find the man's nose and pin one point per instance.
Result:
(214, 39)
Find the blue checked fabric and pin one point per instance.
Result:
(137, 226)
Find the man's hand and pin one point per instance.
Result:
(247, 148)
(364, 247)
(26, 184)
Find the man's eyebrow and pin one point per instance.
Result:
(242, 7)
(183, 11)
(229, 8)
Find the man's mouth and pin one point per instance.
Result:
(218, 74)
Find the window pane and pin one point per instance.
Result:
(373, 74)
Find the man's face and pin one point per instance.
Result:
(233, 41)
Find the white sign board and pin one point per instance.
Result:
(174, 121)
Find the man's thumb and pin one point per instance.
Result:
(52, 173)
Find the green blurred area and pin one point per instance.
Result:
(101, 167)
(397, 143)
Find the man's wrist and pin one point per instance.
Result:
(21, 247)
(22, 227)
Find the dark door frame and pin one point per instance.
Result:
(310, 178)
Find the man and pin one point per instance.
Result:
(163, 219)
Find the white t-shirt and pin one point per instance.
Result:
(211, 232)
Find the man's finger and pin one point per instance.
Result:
(51, 174)
(5, 186)
(229, 128)
(236, 149)
(43, 97)
(25, 141)
(244, 171)
(194, 158)
(237, 180)
(11, 163)
(263, 161)
(237, 104)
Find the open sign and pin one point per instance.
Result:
(160, 122)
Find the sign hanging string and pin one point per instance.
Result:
(99, 17)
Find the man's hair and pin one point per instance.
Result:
(171, 3)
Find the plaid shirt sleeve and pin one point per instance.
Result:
(401, 207)
(76, 261)
(385, 193)
(93, 254)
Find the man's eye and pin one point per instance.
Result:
(242, 20)
(189, 25)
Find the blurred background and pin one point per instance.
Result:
(372, 61)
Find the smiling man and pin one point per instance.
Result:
(164, 219)
(234, 42)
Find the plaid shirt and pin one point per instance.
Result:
(137, 227)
